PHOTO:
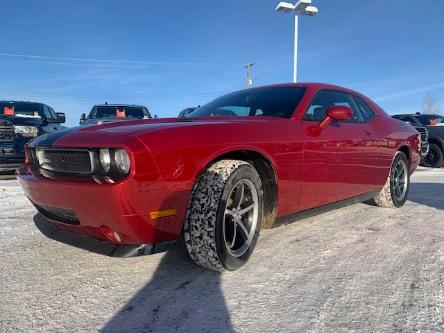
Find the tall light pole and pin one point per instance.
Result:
(302, 7)
(249, 79)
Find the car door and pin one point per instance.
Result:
(338, 160)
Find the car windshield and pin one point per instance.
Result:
(431, 120)
(270, 101)
(135, 112)
(27, 110)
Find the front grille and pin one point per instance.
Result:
(7, 132)
(58, 214)
(74, 161)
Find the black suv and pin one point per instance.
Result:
(19, 123)
(105, 113)
(435, 126)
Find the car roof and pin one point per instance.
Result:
(112, 105)
(22, 102)
(311, 85)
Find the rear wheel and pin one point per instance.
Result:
(435, 157)
(224, 216)
(396, 189)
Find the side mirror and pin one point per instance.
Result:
(61, 118)
(156, 116)
(339, 113)
(82, 119)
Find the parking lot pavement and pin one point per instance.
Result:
(360, 268)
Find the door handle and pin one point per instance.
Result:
(367, 132)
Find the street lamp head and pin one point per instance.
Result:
(310, 11)
(285, 7)
(302, 4)
(302, 7)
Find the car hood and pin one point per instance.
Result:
(137, 127)
(124, 131)
(100, 121)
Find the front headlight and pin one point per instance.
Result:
(122, 161)
(114, 162)
(105, 160)
(27, 131)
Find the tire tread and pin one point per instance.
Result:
(200, 222)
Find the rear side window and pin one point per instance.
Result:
(317, 110)
(366, 112)
(431, 120)
(409, 119)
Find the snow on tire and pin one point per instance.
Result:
(210, 215)
(395, 191)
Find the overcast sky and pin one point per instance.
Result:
(73, 54)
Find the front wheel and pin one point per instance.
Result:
(396, 189)
(224, 216)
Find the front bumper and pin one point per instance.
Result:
(12, 156)
(84, 242)
(122, 207)
(10, 164)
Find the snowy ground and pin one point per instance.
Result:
(361, 268)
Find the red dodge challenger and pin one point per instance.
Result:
(252, 159)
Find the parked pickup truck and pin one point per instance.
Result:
(425, 145)
(106, 113)
(20, 122)
(435, 126)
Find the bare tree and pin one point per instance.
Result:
(429, 105)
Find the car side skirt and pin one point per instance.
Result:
(283, 220)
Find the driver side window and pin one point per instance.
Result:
(317, 110)
(47, 112)
(53, 114)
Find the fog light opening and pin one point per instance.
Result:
(97, 179)
(117, 237)
(109, 180)
(110, 234)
